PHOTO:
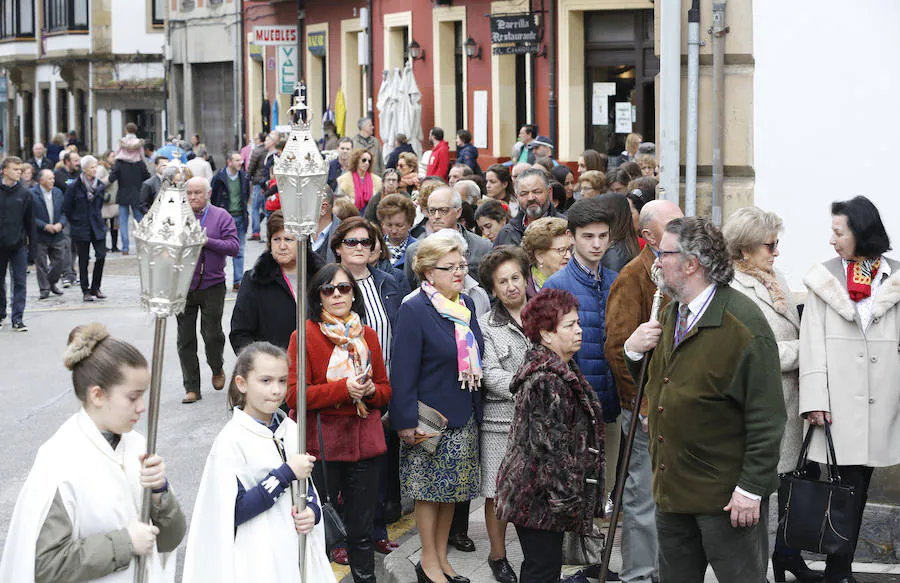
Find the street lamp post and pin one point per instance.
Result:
(168, 240)
(301, 173)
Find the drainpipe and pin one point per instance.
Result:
(670, 100)
(551, 97)
(690, 170)
(370, 36)
(719, 30)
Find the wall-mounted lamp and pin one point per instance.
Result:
(416, 52)
(473, 51)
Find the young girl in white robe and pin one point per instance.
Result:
(245, 524)
(77, 517)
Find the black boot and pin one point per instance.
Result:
(793, 564)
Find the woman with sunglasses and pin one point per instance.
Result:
(346, 385)
(359, 183)
(437, 362)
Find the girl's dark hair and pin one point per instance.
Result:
(558, 193)
(503, 175)
(323, 276)
(97, 359)
(865, 223)
(379, 238)
(497, 257)
(468, 216)
(492, 209)
(560, 172)
(594, 160)
(621, 227)
(627, 172)
(244, 366)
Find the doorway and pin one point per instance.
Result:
(620, 67)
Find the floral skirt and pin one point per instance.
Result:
(451, 474)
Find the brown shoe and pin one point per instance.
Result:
(218, 381)
(191, 397)
(236, 287)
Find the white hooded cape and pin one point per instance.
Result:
(100, 488)
(264, 548)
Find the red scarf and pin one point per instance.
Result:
(859, 278)
(363, 190)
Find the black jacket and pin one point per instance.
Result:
(394, 156)
(16, 216)
(513, 231)
(130, 176)
(220, 195)
(42, 219)
(265, 308)
(45, 164)
(64, 178)
(85, 219)
(391, 290)
(149, 189)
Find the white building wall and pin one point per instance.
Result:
(130, 30)
(826, 122)
(102, 131)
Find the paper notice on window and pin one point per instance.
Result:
(604, 89)
(623, 117)
(480, 103)
(599, 110)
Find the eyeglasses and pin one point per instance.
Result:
(664, 253)
(327, 289)
(439, 211)
(562, 250)
(351, 243)
(462, 268)
(772, 246)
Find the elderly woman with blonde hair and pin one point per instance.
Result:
(752, 237)
(548, 249)
(437, 368)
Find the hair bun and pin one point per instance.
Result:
(82, 341)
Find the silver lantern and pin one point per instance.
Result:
(168, 239)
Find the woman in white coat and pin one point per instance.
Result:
(752, 237)
(848, 354)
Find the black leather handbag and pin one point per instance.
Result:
(819, 516)
(335, 531)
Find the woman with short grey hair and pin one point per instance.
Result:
(752, 237)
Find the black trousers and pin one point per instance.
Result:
(858, 477)
(542, 550)
(84, 257)
(210, 303)
(357, 482)
(460, 524)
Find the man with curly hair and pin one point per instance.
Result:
(716, 412)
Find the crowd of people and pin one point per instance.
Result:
(481, 333)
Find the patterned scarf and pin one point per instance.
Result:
(859, 277)
(398, 252)
(363, 189)
(468, 360)
(350, 357)
(769, 281)
(539, 278)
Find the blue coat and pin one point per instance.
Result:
(219, 190)
(84, 215)
(42, 219)
(592, 296)
(391, 290)
(424, 366)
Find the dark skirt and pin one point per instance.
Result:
(451, 474)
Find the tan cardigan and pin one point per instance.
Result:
(345, 185)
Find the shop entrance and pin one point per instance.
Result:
(620, 67)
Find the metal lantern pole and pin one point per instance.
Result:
(301, 172)
(168, 241)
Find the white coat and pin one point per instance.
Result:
(786, 328)
(850, 372)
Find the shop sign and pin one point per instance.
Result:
(287, 69)
(514, 28)
(315, 42)
(275, 35)
(516, 50)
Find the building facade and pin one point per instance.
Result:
(85, 65)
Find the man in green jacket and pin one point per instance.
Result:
(716, 413)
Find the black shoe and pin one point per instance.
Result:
(835, 579)
(421, 577)
(392, 511)
(87, 297)
(20, 327)
(461, 542)
(457, 578)
(502, 570)
(56, 290)
(44, 294)
(593, 572)
(795, 565)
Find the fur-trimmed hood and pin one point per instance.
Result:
(131, 149)
(828, 281)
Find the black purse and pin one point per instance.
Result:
(335, 531)
(819, 516)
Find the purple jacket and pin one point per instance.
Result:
(222, 242)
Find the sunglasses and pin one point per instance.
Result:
(772, 246)
(351, 243)
(365, 160)
(327, 289)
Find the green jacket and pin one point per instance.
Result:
(716, 411)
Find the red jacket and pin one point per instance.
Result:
(439, 163)
(347, 437)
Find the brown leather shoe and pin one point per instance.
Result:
(236, 287)
(191, 397)
(218, 381)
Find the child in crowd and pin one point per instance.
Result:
(243, 527)
(77, 517)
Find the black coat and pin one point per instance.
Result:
(85, 219)
(130, 176)
(220, 195)
(42, 219)
(394, 156)
(16, 217)
(63, 178)
(45, 164)
(265, 308)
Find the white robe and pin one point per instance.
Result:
(100, 488)
(264, 548)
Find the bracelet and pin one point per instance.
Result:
(164, 488)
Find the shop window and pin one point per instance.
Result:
(16, 19)
(157, 13)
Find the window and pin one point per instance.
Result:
(66, 15)
(16, 19)
(157, 12)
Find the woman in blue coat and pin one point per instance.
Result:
(82, 206)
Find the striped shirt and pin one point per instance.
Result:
(376, 317)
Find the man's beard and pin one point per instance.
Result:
(533, 213)
(668, 290)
